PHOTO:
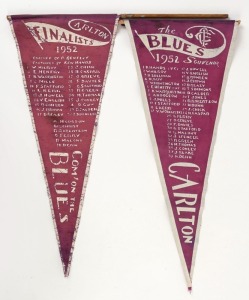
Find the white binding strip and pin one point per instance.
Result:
(34, 128)
(228, 64)
(86, 176)
(158, 161)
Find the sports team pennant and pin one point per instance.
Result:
(182, 66)
(64, 60)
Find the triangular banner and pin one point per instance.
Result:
(182, 67)
(64, 60)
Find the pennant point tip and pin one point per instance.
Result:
(66, 270)
(190, 289)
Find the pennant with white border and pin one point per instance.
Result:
(182, 68)
(64, 61)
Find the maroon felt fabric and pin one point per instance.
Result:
(182, 65)
(64, 60)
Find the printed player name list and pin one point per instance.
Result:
(183, 101)
(67, 89)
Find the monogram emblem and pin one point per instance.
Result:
(204, 36)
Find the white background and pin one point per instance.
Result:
(125, 247)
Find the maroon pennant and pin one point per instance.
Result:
(182, 66)
(64, 60)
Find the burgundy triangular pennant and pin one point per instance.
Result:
(64, 61)
(182, 67)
